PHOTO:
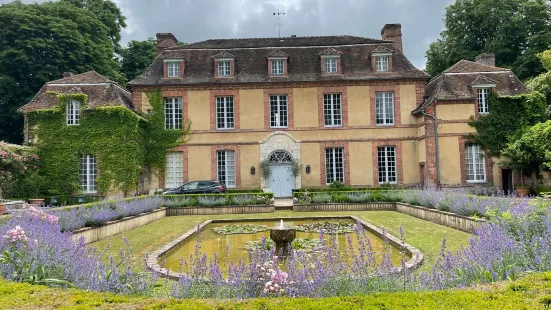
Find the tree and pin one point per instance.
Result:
(532, 151)
(38, 43)
(515, 30)
(137, 57)
(108, 13)
(509, 117)
(542, 82)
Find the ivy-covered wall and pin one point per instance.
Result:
(113, 134)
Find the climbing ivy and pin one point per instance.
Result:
(158, 140)
(113, 134)
(509, 117)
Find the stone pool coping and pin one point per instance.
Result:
(152, 258)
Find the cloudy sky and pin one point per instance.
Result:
(196, 20)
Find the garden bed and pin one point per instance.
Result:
(218, 210)
(444, 218)
(112, 228)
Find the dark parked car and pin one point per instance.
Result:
(199, 187)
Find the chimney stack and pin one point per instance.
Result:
(165, 40)
(67, 74)
(393, 32)
(486, 59)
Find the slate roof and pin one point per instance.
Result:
(100, 91)
(304, 61)
(456, 83)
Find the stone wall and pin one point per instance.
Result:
(448, 219)
(93, 234)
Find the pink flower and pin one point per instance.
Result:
(16, 234)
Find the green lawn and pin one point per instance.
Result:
(424, 235)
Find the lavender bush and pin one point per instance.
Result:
(97, 215)
(36, 251)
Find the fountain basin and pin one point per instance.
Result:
(283, 237)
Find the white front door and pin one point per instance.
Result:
(282, 180)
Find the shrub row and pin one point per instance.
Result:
(212, 200)
(333, 196)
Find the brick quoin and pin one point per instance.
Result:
(218, 93)
(395, 89)
(344, 104)
(214, 164)
(430, 149)
(399, 162)
(463, 164)
(346, 158)
(290, 107)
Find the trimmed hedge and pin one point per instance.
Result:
(351, 189)
(334, 196)
(531, 292)
(210, 200)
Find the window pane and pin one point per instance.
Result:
(173, 69)
(475, 164)
(482, 97)
(386, 162)
(332, 109)
(381, 63)
(278, 110)
(331, 65)
(88, 174)
(226, 168)
(277, 66)
(73, 112)
(173, 113)
(224, 68)
(174, 171)
(334, 165)
(224, 113)
(384, 108)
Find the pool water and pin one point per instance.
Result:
(212, 242)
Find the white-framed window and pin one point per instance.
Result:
(88, 174)
(331, 65)
(225, 171)
(224, 112)
(278, 66)
(173, 68)
(332, 110)
(386, 157)
(73, 112)
(174, 171)
(384, 108)
(334, 165)
(482, 96)
(224, 68)
(381, 62)
(278, 111)
(173, 113)
(475, 164)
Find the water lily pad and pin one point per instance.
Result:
(327, 227)
(299, 244)
(240, 229)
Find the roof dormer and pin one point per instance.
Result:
(381, 59)
(224, 65)
(482, 81)
(173, 65)
(278, 64)
(331, 61)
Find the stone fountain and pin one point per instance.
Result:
(283, 236)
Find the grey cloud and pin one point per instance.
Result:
(196, 20)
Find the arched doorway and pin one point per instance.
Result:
(281, 180)
(280, 149)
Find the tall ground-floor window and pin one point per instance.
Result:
(88, 174)
(334, 165)
(174, 171)
(475, 164)
(226, 168)
(386, 156)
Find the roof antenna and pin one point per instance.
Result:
(278, 23)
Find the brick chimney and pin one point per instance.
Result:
(486, 59)
(165, 40)
(393, 32)
(67, 74)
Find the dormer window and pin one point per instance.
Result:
(173, 69)
(224, 68)
(278, 66)
(331, 64)
(482, 98)
(381, 62)
(73, 113)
